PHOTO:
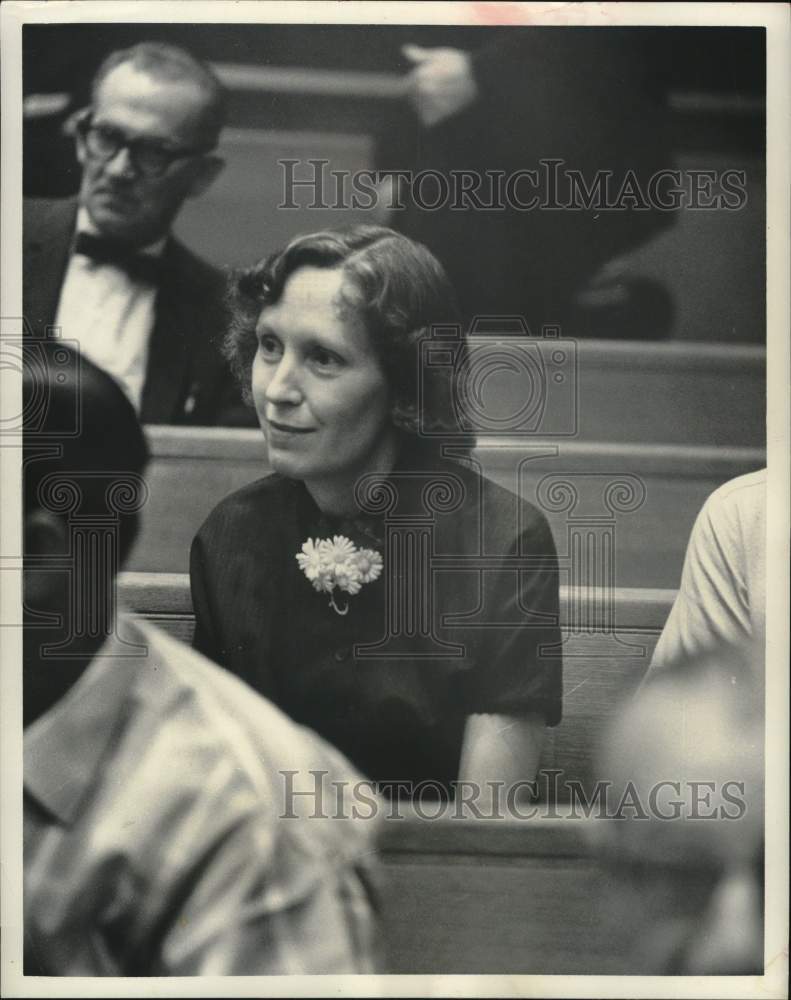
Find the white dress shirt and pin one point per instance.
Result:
(110, 314)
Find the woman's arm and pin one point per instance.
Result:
(516, 686)
(502, 748)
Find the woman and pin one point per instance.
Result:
(341, 586)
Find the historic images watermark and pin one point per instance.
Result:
(21, 351)
(548, 796)
(552, 185)
(501, 379)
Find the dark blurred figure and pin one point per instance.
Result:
(159, 836)
(576, 95)
(105, 269)
(685, 857)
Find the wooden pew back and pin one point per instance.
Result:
(600, 670)
(492, 896)
(192, 469)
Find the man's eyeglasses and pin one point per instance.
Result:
(149, 158)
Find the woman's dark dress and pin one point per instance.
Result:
(398, 712)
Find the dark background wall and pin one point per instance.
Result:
(709, 81)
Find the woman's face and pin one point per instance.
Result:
(319, 389)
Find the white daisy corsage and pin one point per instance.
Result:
(338, 563)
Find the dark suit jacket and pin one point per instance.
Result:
(187, 379)
(570, 94)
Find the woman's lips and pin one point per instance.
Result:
(288, 428)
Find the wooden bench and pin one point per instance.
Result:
(599, 671)
(192, 469)
(488, 896)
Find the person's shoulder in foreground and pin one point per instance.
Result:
(176, 823)
(743, 493)
(722, 594)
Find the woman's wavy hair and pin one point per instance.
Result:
(401, 292)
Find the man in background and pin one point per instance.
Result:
(161, 835)
(105, 269)
(582, 99)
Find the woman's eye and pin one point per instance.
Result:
(269, 346)
(325, 360)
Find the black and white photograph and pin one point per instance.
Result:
(395, 530)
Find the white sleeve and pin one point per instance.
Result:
(712, 605)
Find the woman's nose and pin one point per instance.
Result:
(283, 387)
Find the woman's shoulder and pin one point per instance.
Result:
(497, 503)
(490, 515)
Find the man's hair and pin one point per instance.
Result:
(173, 64)
(83, 444)
(396, 286)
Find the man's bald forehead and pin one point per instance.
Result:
(178, 74)
(186, 104)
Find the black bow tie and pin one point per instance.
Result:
(139, 266)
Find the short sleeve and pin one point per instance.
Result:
(518, 668)
(712, 605)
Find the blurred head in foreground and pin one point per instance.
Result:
(685, 851)
(84, 454)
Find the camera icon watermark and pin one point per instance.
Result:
(502, 380)
(46, 362)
